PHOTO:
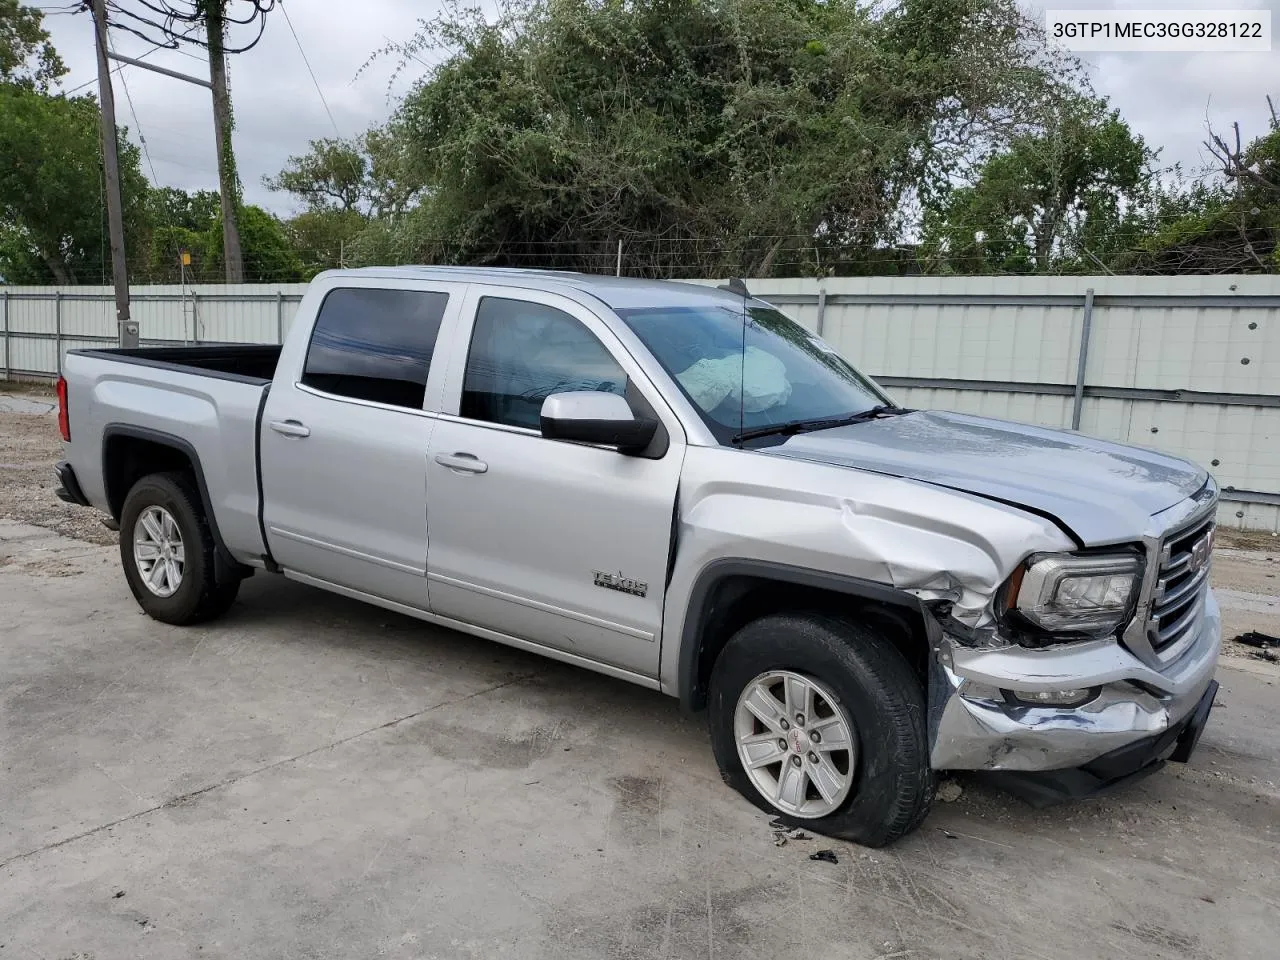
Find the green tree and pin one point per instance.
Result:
(365, 175)
(708, 135)
(323, 239)
(1228, 222)
(192, 222)
(333, 174)
(51, 193)
(27, 56)
(1064, 198)
(178, 222)
(269, 256)
(52, 221)
(170, 206)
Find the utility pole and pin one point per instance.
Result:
(127, 330)
(215, 26)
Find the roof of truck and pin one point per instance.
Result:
(617, 292)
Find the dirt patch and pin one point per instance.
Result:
(1247, 583)
(37, 390)
(29, 447)
(1247, 539)
(1252, 571)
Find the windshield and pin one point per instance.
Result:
(785, 374)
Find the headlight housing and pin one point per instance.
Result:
(1073, 594)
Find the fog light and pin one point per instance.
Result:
(1074, 697)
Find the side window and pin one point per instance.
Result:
(523, 352)
(373, 344)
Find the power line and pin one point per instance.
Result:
(141, 56)
(89, 83)
(314, 81)
(136, 122)
(167, 16)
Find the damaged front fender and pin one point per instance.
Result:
(947, 550)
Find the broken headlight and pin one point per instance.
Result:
(1067, 594)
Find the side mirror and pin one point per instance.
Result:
(591, 417)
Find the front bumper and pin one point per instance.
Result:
(973, 727)
(1118, 767)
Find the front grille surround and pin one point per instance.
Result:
(1171, 602)
(1181, 584)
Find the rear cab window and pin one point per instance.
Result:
(375, 344)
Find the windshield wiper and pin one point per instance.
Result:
(792, 427)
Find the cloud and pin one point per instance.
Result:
(277, 107)
(1169, 98)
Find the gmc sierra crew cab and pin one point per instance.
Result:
(677, 485)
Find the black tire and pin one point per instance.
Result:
(893, 783)
(200, 596)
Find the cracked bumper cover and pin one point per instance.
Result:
(974, 728)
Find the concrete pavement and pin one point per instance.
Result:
(311, 777)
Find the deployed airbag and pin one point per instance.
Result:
(758, 380)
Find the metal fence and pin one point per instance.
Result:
(40, 324)
(1188, 365)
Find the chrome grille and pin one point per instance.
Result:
(1178, 597)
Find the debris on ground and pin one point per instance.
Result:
(1255, 638)
(117, 895)
(827, 856)
(782, 833)
(1270, 656)
(948, 834)
(949, 791)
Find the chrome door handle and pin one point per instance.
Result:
(462, 462)
(290, 428)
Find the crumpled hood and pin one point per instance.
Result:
(1103, 492)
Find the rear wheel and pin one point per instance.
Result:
(167, 550)
(822, 722)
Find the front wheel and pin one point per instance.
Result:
(167, 550)
(822, 722)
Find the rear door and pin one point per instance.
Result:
(562, 544)
(344, 446)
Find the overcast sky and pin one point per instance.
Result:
(1166, 97)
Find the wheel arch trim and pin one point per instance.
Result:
(226, 563)
(690, 689)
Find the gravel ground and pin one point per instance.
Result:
(1246, 565)
(29, 447)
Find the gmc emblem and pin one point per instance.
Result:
(1200, 553)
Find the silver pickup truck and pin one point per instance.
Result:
(679, 486)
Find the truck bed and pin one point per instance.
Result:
(255, 363)
(204, 401)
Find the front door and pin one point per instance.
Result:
(344, 450)
(563, 544)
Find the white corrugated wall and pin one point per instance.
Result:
(1005, 347)
(1014, 345)
(39, 319)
